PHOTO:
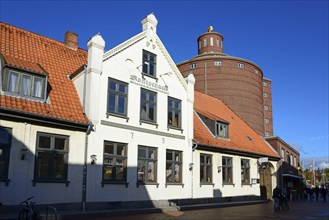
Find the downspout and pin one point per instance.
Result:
(195, 143)
(84, 177)
(84, 89)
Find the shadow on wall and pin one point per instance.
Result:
(53, 180)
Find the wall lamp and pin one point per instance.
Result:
(93, 159)
(22, 154)
(191, 166)
(219, 169)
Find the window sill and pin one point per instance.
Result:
(228, 184)
(207, 184)
(150, 76)
(246, 184)
(175, 184)
(175, 128)
(116, 115)
(66, 182)
(6, 181)
(114, 183)
(148, 122)
(148, 183)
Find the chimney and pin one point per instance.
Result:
(71, 40)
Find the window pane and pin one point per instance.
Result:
(37, 87)
(26, 85)
(108, 170)
(152, 153)
(121, 149)
(202, 159)
(109, 148)
(169, 155)
(42, 164)
(60, 143)
(152, 70)
(151, 171)
(151, 97)
(145, 67)
(178, 173)
(170, 121)
(176, 121)
(111, 103)
(169, 173)
(58, 165)
(209, 172)
(177, 156)
(112, 86)
(121, 105)
(122, 88)
(13, 82)
(202, 174)
(141, 152)
(4, 136)
(44, 142)
(141, 170)
(151, 115)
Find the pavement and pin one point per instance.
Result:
(260, 209)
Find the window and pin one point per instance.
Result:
(288, 158)
(147, 164)
(205, 168)
(266, 120)
(23, 84)
(265, 107)
(173, 166)
(282, 153)
(245, 171)
(199, 44)
(265, 94)
(218, 63)
(193, 66)
(256, 71)
(267, 134)
(211, 41)
(115, 162)
(227, 171)
(265, 84)
(174, 112)
(240, 65)
(149, 63)
(217, 42)
(5, 144)
(295, 161)
(204, 42)
(221, 129)
(117, 97)
(148, 105)
(51, 157)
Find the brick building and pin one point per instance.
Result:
(237, 82)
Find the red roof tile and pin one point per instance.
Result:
(30, 51)
(213, 109)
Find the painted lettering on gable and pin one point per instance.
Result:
(147, 84)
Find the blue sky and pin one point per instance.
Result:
(287, 39)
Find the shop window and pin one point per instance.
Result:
(245, 171)
(5, 146)
(147, 164)
(115, 162)
(205, 168)
(227, 170)
(173, 166)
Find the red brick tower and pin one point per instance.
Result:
(236, 81)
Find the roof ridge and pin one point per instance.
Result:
(43, 36)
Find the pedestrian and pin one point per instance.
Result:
(316, 192)
(276, 197)
(323, 192)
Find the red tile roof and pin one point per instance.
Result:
(36, 53)
(213, 109)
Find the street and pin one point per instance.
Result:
(298, 210)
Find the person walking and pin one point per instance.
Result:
(276, 197)
(316, 192)
(324, 192)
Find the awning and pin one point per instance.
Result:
(293, 176)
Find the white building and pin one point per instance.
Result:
(142, 111)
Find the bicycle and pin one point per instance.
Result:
(28, 212)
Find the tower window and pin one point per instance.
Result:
(240, 65)
(193, 66)
(218, 63)
(204, 42)
(211, 41)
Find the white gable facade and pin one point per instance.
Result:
(141, 107)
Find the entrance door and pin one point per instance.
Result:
(265, 183)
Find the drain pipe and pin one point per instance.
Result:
(195, 143)
(84, 174)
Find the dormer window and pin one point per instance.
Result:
(221, 129)
(24, 84)
(149, 63)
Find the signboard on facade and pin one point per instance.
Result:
(148, 85)
(263, 160)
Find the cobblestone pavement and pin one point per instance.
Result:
(301, 210)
